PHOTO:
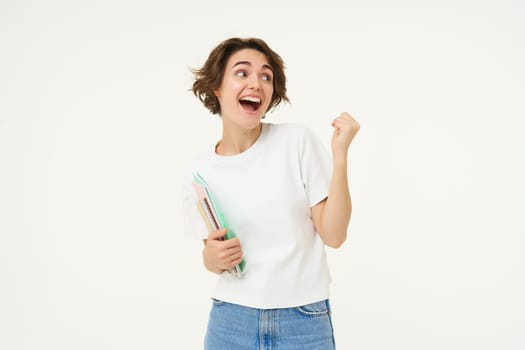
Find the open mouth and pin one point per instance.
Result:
(250, 104)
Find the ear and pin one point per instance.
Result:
(216, 92)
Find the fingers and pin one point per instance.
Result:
(230, 257)
(223, 249)
(221, 255)
(231, 243)
(234, 259)
(345, 120)
(345, 128)
(228, 250)
(217, 235)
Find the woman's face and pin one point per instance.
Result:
(246, 89)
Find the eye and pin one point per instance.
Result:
(267, 77)
(241, 73)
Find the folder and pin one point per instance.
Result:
(212, 216)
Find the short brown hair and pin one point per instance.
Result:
(209, 77)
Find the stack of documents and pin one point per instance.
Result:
(212, 216)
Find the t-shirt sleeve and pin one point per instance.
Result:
(316, 168)
(194, 226)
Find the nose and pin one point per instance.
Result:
(254, 82)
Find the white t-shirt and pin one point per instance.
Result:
(265, 194)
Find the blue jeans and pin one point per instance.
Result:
(235, 327)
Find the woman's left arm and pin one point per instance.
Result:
(332, 215)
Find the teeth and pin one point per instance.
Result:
(251, 99)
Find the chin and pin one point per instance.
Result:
(250, 121)
(250, 124)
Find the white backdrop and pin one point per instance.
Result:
(96, 122)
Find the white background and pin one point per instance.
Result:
(97, 121)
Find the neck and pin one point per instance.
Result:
(236, 140)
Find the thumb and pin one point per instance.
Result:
(218, 234)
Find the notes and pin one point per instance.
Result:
(212, 216)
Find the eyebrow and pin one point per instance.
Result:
(249, 64)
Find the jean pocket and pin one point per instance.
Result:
(319, 308)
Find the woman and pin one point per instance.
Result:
(283, 198)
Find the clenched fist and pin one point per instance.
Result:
(345, 128)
